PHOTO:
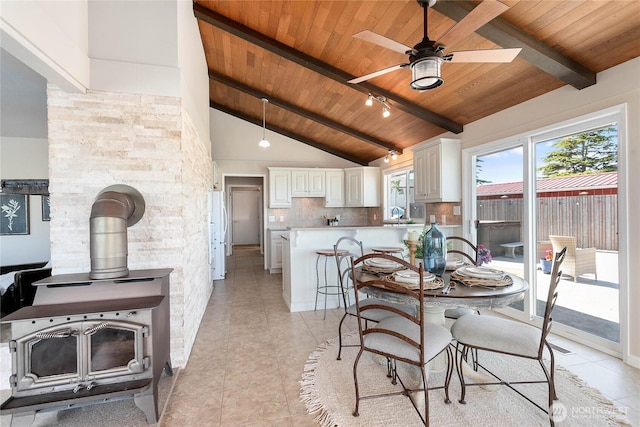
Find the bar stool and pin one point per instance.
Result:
(390, 250)
(327, 289)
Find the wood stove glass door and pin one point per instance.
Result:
(114, 348)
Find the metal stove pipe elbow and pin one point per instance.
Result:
(116, 208)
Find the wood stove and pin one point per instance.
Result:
(88, 341)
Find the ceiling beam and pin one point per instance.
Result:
(304, 113)
(307, 61)
(289, 134)
(533, 51)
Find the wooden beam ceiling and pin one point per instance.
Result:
(289, 134)
(300, 58)
(305, 113)
(533, 51)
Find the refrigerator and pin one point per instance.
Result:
(217, 235)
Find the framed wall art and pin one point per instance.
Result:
(46, 208)
(14, 215)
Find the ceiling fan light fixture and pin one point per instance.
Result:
(425, 73)
(264, 143)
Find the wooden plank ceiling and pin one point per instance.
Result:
(300, 55)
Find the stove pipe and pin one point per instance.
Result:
(116, 208)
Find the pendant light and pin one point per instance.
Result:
(263, 142)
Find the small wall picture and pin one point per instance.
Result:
(46, 208)
(14, 218)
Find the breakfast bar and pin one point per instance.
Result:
(299, 256)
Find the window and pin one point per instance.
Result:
(400, 196)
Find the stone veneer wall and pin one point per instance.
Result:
(148, 142)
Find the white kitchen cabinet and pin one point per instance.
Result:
(362, 187)
(437, 173)
(279, 188)
(275, 250)
(307, 183)
(334, 197)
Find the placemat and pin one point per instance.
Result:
(490, 283)
(436, 283)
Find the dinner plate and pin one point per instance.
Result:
(480, 272)
(410, 276)
(381, 263)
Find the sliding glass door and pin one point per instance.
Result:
(556, 187)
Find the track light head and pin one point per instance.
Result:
(369, 101)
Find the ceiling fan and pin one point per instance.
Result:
(426, 57)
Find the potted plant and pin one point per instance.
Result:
(547, 261)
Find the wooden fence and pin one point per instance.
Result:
(593, 220)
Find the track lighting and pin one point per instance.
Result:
(386, 108)
(263, 142)
(392, 155)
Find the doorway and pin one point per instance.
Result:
(245, 204)
(245, 216)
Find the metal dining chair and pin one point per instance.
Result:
(345, 248)
(401, 336)
(512, 338)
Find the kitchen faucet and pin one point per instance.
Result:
(396, 211)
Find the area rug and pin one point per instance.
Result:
(119, 413)
(327, 390)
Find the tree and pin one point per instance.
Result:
(586, 152)
(480, 181)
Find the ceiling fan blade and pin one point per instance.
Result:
(377, 73)
(480, 15)
(375, 38)
(485, 55)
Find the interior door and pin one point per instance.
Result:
(245, 216)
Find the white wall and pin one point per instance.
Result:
(26, 158)
(235, 148)
(51, 37)
(194, 76)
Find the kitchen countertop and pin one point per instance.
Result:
(350, 227)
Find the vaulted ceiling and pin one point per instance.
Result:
(300, 55)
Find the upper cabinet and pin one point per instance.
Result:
(308, 182)
(279, 188)
(437, 171)
(362, 186)
(335, 188)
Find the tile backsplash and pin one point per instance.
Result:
(445, 213)
(311, 212)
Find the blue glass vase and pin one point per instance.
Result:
(434, 250)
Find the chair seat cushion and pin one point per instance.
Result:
(498, 334)
(377, 315)
(436, 339)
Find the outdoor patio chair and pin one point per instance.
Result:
(513, 339)
(400, 336)
(578, 261)
(354, 249)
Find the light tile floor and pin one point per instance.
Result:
(250, 352)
